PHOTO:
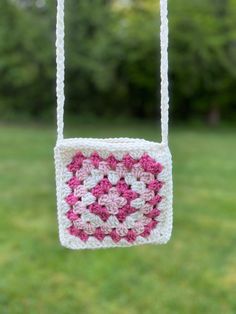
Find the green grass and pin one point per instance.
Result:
(194, 273)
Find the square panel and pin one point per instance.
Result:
(113, 192)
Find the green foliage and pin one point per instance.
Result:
(203, 59)
(194, 273)
(26, 59)
(112, 50)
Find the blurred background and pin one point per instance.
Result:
(112, 89)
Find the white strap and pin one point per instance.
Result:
(60, 60)
(164, 72)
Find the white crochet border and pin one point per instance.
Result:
(63, 153)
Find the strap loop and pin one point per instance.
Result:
(60, 61)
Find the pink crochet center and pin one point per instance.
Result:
(113, 196)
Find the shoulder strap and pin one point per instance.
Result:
(164, 72)
(60, 61)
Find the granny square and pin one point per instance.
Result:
(113, 192)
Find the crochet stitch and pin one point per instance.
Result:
(111, 203)
(113, 192)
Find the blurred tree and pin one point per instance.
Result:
(202, 64)
(112, 49)
(111, 59)
(138, 31)
(26, 57)
(93, 55)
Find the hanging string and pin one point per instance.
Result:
(60, 61)
(164, 72)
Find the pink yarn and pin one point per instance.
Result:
(121, 216)
(154, 168)
(148, 228)
(104, 167)
(155, 200)
(79, 208)
(80, 191)
(76, 162)
(150, 165)
(154, 213)
(71, 215)
(100, 211)
(128, 209)
(104, 215)
(82, 174)
(147, 195)
(78, 159)
(115, 236)
(97, 191)
(146, 233)
(83, 235)
(146, 177)
(121, 186)
(99, 234)
(95, 208)
(113, 200)
(73, 230)
(146, 161)
(159, 168)
(78, 233)
(130, 195)
(112, 162)
(105, 185)
(121, 170)
(152, 225)
(71, 199)
(131, 236)
(73, 182)
(87, 166)
(95, 158)
(72, 167)
(155, 185)
(79, 155)
(128, 161)
(137, 171)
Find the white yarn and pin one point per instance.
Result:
(164, 72)
(64, 152)
(60, 60)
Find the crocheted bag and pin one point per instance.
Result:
(118, 191)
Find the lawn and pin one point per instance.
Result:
(194, 273)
